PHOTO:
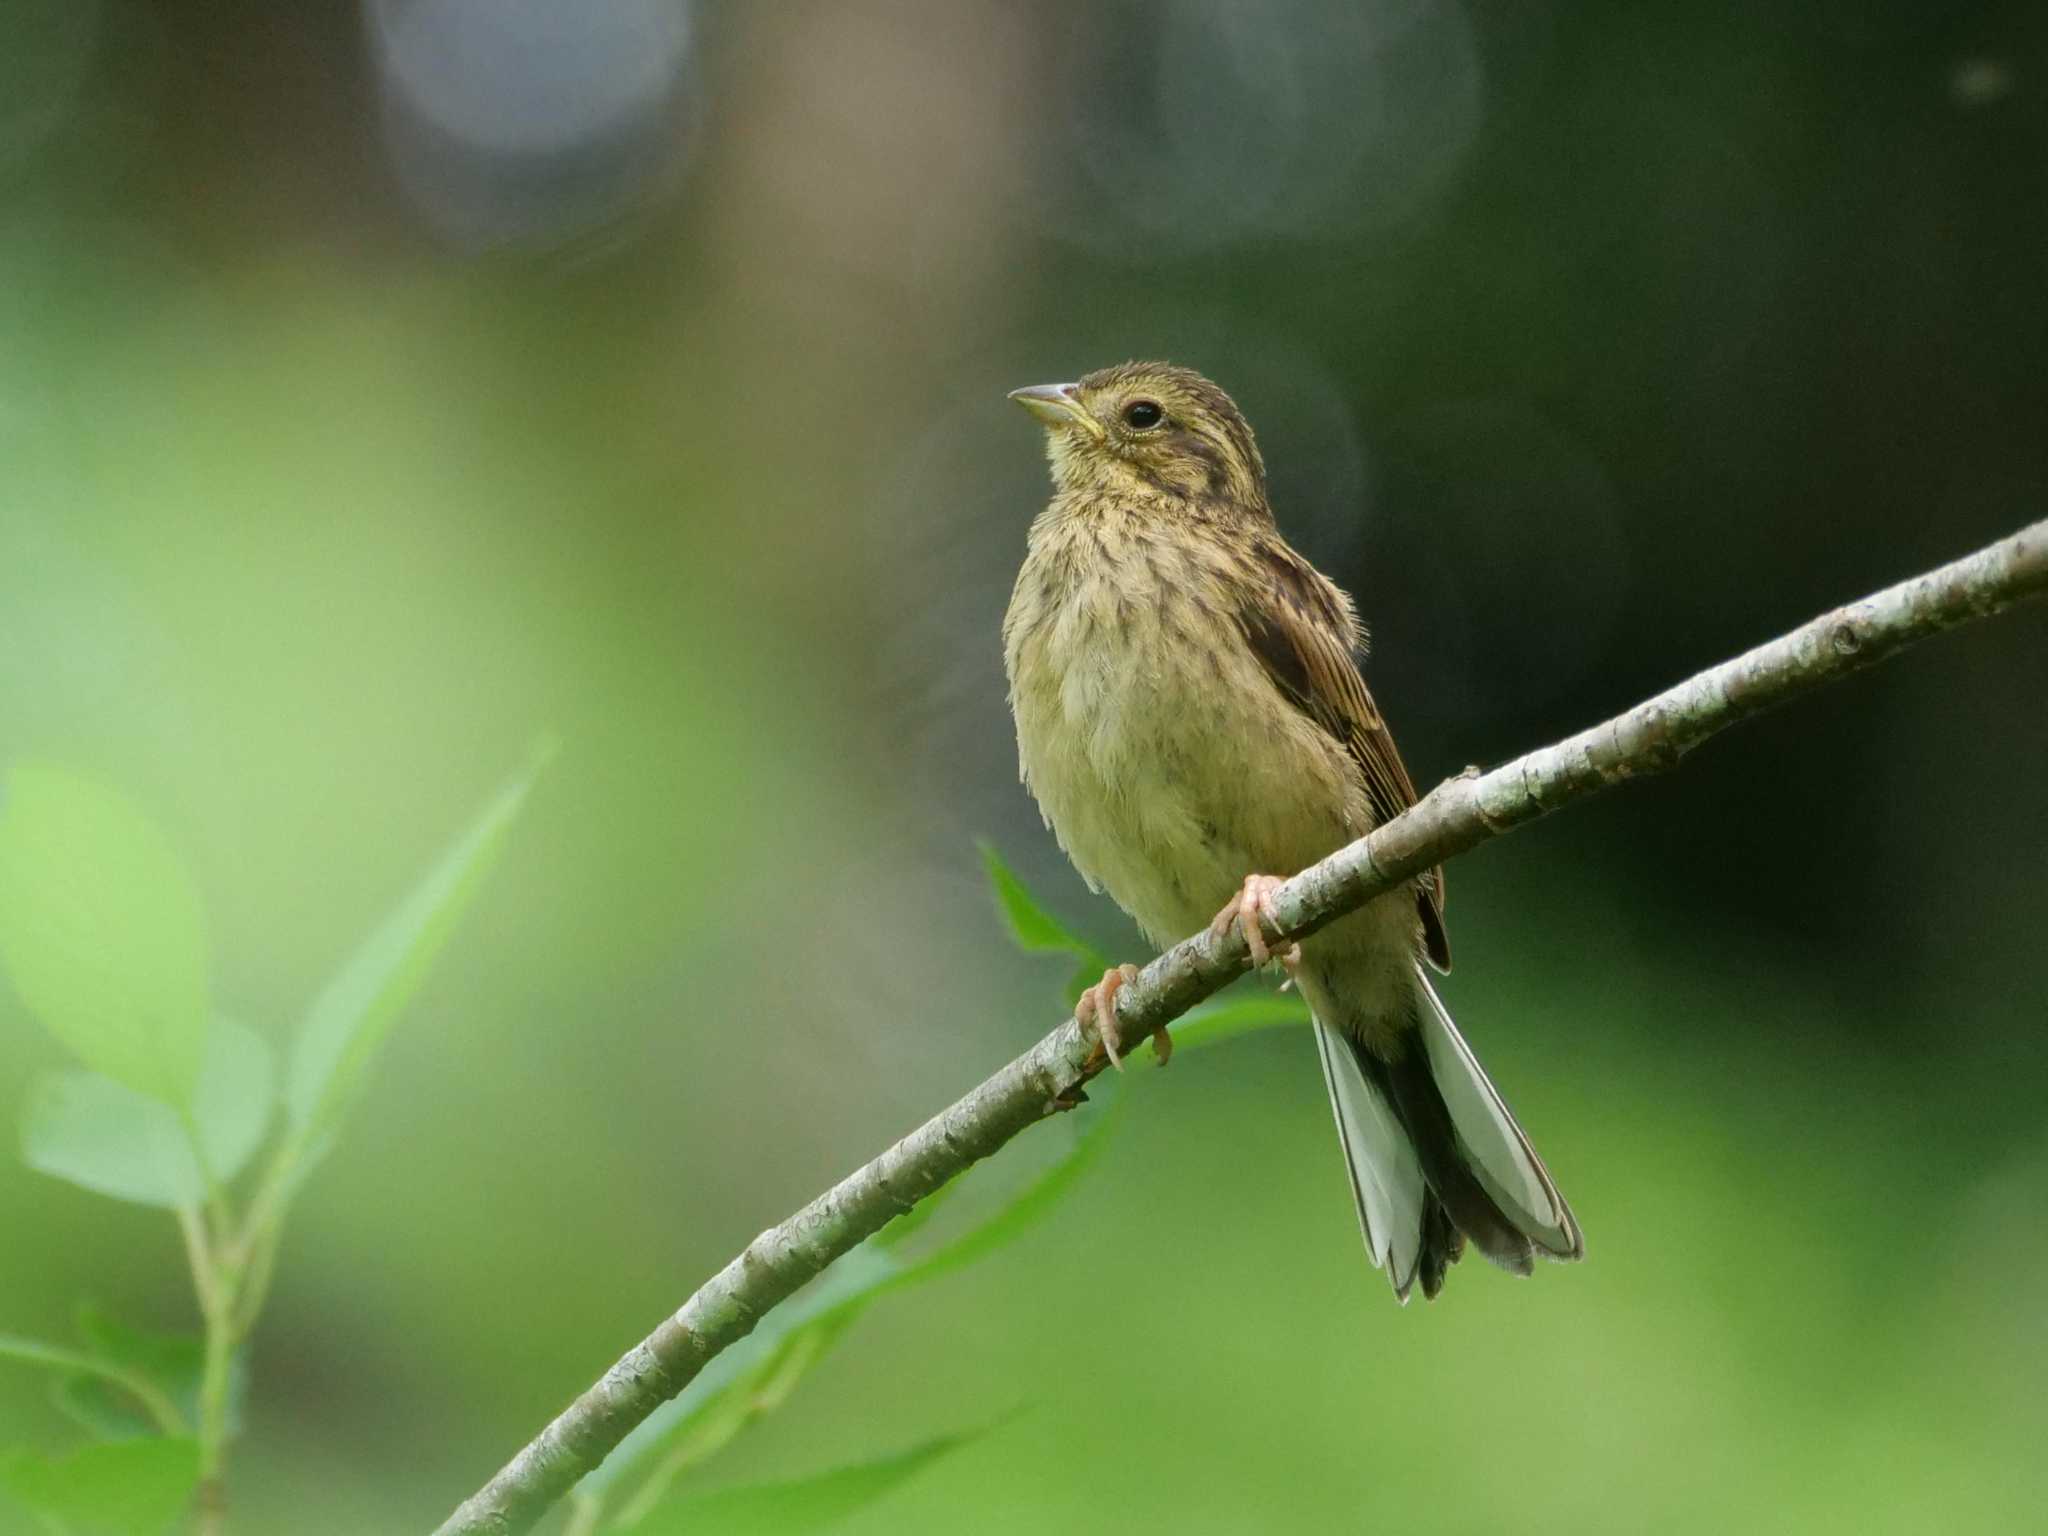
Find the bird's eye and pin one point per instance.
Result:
(1143, 415)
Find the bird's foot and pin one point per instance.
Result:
(1245, 909)
(1097, 1010)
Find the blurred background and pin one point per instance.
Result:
(382, 385)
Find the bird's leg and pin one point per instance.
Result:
(1245, 909)
(1097, 1007)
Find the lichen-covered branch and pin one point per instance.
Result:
(1454, 817)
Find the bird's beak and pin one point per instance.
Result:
(1057, 405)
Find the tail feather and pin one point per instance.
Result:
(1442, 1246)
(1446, 1164)
(1497, 1150)
(1386, 1178)
(1434, 1155)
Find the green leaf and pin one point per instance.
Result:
(1218, 1022)
(101, 930)
(172, 1363)
(126, 1488)
(757, 1374)
(108, 1138)
(352, 1016)
(1036, 1200)
(914, 1220)
(100, 1408)
(752, 1377)
(1036, 930)
(124, 1403)
(802, 1504)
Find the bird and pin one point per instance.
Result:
(1193, 724)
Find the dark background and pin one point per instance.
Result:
(382, 386)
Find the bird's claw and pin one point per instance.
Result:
(1097, 1010)
(1246, 909)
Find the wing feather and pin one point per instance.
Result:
(1306, 637)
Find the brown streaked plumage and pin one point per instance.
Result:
(1191, 719)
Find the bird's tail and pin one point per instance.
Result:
(1434, 1155)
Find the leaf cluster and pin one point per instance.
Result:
(175, 1106)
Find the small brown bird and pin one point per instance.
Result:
(1191, 719)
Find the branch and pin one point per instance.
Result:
(1457, 815)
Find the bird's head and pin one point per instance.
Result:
(1145, 429)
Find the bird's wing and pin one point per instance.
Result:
(1303, 632)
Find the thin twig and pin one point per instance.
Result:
(1455, 816)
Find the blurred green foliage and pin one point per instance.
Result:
(112, 1140)
(106, 1137)
(127, 1487)
(1586, 344)
(101, 934)
(798, 1504)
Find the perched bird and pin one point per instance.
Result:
(1191, 719)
